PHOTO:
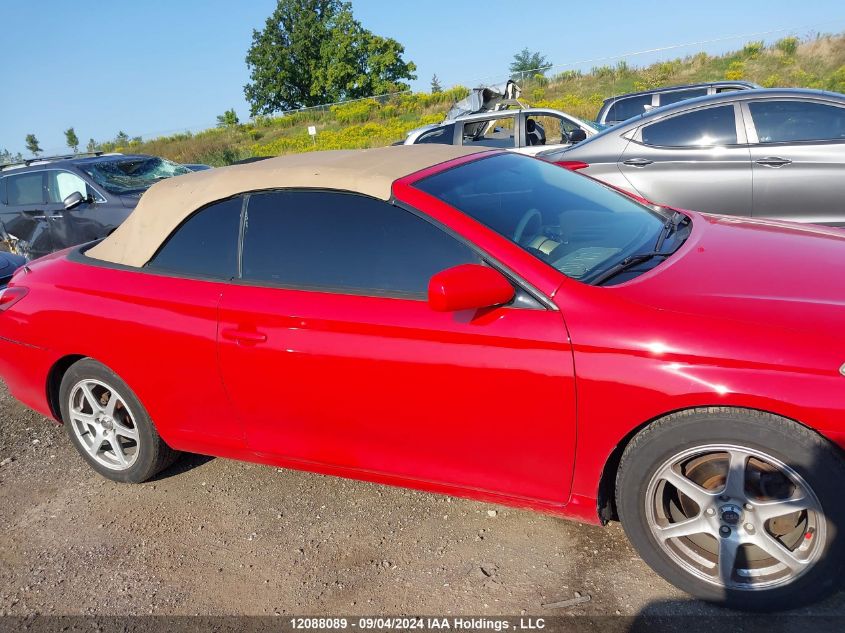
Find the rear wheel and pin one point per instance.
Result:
(735, 506)
(109, 426)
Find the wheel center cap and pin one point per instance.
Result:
(730, 514)
(107, 423)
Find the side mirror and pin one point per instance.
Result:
(73, 201)
(577, 135)
(468, 287)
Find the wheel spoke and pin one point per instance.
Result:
(770, 509)
(114, 400)
(691, 489)
(735, 481)
(96, 442)
(777, 550)
(727, 559)
(695, 525)
(125, 431)
(117, 450)
(91, 398)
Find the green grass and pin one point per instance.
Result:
(816, 63)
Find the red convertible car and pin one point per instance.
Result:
(481, 324)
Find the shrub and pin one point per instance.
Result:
(771, 81)
(837, 80)
(752, 50)
(736, 70)
(788, 45)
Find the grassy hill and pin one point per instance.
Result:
(815, 63)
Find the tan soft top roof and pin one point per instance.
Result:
(166, 204)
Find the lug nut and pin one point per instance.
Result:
(725, 531)
(710, 512)
(749, 527)
(749, 507)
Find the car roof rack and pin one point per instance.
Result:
(49, 159)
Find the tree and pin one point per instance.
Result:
(92, 146)
(32, 145)
(313, 52)
(526, 63)
(7, 157)
(228, 119)
(435, 84)
(72, 139)
(122, 139)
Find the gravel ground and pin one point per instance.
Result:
(218, 537)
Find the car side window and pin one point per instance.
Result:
(60, 184)
(344, 243)
(204, 245)
(681, 95)
(498, 132)
(444, 135)
(24, 189)
(624, 109)
(705, 127)
(790, 121)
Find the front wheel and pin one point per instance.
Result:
(736, 507)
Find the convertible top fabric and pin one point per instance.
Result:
(168, 203)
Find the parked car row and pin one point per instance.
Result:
(769, 153)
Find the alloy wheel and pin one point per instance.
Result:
(103, 424)
(735, 517)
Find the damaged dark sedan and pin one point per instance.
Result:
(47, 204)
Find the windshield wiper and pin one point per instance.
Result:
(670, 226)
(625, 264)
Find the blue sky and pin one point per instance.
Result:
(156, 67)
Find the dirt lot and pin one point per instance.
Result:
(212, 536)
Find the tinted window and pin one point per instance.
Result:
(624, 109)
(699, 128)
(444, 135)
(25, 188)
(206, 244)
(344, 242)
(681, 95)
(570, 222)
(785, 121)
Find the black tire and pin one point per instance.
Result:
(808, 454)
(153, 455)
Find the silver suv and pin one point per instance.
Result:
(772, 153)
(623, 107)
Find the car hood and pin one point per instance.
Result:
(780, 274)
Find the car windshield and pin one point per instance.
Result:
(132, 175)
(580, 227)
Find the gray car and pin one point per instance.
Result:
(773, 153)
(623, 107)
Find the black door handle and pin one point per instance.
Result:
(773, 161)
(637, 162)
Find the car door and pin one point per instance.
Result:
(496, 131)
(798, 159)
(542, 131)
(78, 225)
(25, 218)
(697, 159)
(333, 357)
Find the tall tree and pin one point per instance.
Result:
(435, 84)
(72, 139)
(122, 139)
(313, 52)
(228, 119)
(92, 146)
(32, 145)
(529, 63)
